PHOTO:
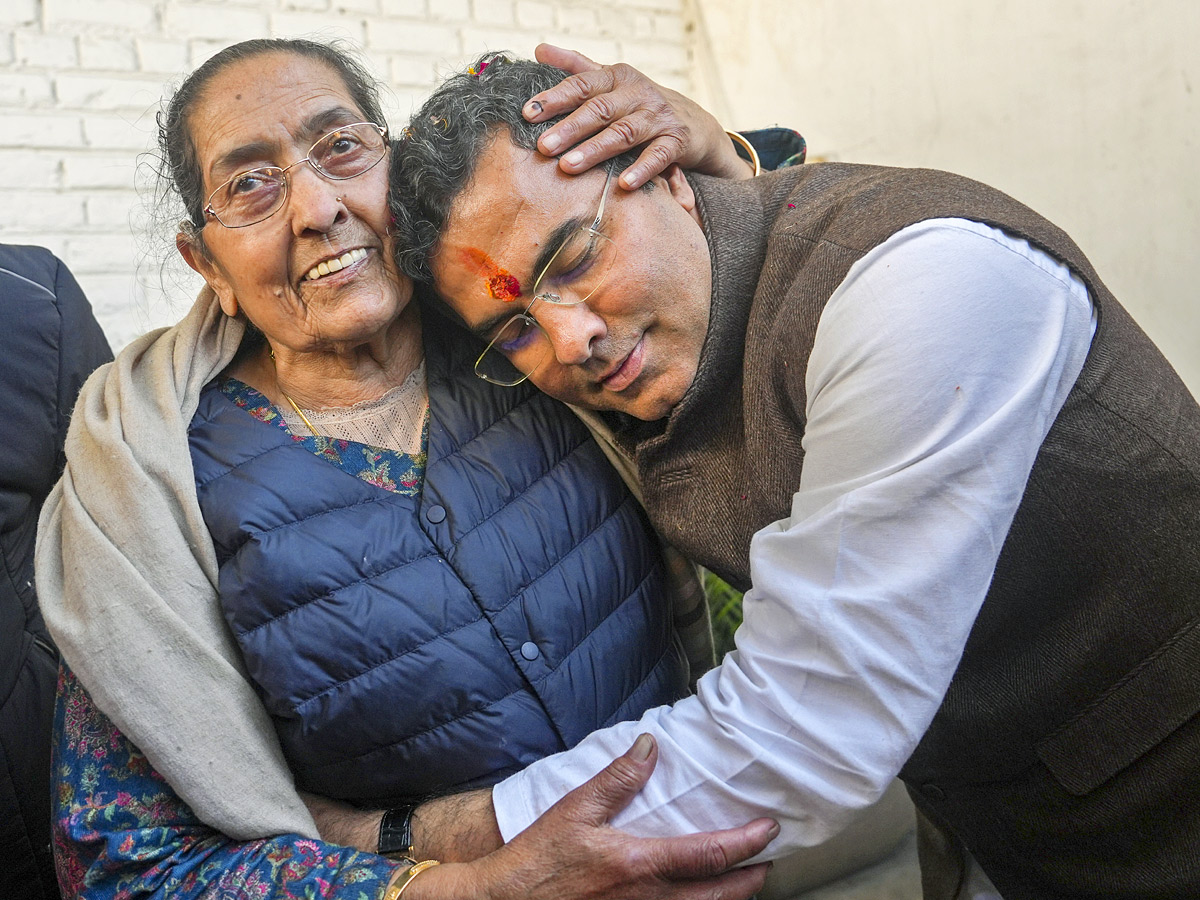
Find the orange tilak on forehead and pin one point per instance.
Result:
(501, 285)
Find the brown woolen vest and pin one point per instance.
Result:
(1066, 753)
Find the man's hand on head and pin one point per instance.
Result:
(616, 108)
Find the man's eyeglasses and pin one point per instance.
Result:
(573, 273)
(249, 197)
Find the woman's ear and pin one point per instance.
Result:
(195, 256)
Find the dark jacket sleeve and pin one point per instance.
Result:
(49, 343)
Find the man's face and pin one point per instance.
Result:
(634, 345)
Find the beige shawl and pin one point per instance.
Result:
(127, 580)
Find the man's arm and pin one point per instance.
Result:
(455, 828)
(938, 368)
(572, 851)
(119, 828)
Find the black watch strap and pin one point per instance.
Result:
(395, 833)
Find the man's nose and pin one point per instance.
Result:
(315, 202)
(572, 330)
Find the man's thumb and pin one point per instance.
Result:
(608, 792)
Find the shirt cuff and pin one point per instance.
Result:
(513, 813)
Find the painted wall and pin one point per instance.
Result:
(1087, 110)
(81, 80)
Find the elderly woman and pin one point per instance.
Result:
(297, 519)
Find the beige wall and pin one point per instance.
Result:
(1087, 110)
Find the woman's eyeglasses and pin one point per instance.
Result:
(250, 197)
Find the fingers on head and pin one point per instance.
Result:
(662, 151)
(618, 137)
(586, 85)
(605, 137)
(601, 110)
(654, 160)
(623, 73)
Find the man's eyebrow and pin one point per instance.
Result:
(311, 129)
(552, 244)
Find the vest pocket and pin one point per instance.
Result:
(1130, 718)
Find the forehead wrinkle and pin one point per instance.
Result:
(321, 123)
(243, 101)
(304, 134)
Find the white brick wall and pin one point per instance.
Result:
(81, 80)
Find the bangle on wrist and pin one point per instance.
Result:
(395, 834)
(394, 892)
(749, 154)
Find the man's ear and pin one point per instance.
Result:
(679, 188)
(196, 257)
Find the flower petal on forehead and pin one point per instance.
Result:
(504, 286)
(501, 284)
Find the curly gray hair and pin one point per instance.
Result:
(436, 158)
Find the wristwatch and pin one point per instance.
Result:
(395, 833)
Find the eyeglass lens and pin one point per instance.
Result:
(515, 353)
(249, 197)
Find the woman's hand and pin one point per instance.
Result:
(572, 853)
(617, 108)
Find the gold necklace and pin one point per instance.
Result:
(288, 398)
(298, 410)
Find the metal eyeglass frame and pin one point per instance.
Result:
(549, 296)
(210, 213)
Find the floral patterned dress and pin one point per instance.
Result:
(121, 832)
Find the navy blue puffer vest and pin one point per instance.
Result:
(414, 645)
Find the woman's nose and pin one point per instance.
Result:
(315, 202)
(572, 330)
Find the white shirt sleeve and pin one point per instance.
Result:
(938, 367)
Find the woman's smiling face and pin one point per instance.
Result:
(267, 111)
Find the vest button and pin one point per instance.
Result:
(530, 650)
(933, 792)
(436, 514)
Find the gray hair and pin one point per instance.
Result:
(436, 158)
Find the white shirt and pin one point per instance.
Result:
(938, 367)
